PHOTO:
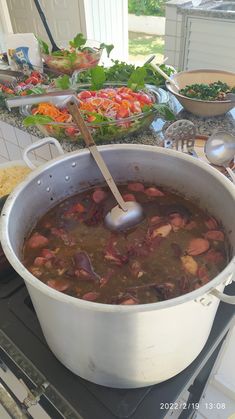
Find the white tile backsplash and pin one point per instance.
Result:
(14, 151)
(54, 152)
(13, 141)
(170, 43)
(171, 12)
(34, 138)
(171, 27)
(3, 160)
(43, 152)
(8, 133)
(24, 139)
(3, 149)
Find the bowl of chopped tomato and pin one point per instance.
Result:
(110, 113)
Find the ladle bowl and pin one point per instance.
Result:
(220, 150)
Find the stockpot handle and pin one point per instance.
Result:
(230, 299)
(38, 144)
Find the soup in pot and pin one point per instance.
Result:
(177, 248)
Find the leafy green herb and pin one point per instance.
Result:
(72, 57)
(97, 77)
(43, 45)
(203, 91)
(78, 41)
(59, 53)
(137, 79)
(164, 111)
(63, 82)
(121, 72)
(37, 119)
(108, 48)
(36, 91)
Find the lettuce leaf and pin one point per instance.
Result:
(108, 48)
(78, 41)
(37, 119)
(43, 45)
(136, 80)
(97, 77)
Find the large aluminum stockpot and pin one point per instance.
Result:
(113, 345)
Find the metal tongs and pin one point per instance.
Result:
(54, 97)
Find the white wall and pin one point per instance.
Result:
(5, 24)
(174, 35)
(107, 21)
(65, 18)
(152, 25)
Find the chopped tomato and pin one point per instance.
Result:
(123, 112)
(70, 131)
(85, 94)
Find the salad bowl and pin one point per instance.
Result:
(104, 126)
(80, 55)
(199, 107)
(82, 61)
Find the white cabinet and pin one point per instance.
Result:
(209, 43)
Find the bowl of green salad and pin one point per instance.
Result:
(204, 92)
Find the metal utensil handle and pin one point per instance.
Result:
(229, 299)
(150, 59)
(90, 143)
(38, 144)
(158, 69)
(43, 19)
(231, 174)
(17, 101)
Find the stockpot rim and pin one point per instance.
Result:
(30, 279)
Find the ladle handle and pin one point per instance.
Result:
(90, 143)
(43, 19)
(78, 119)
(231, 174)
(166, 77)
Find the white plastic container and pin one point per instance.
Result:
(23, 52)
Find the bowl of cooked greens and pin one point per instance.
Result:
(204, 92)
(111, 112)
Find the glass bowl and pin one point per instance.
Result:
(103, 131)
(64, 65)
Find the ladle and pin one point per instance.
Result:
(124, 215)
(220, 150)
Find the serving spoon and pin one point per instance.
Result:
(45, 24)
(124, 215)
(163, 74)
(220, 150)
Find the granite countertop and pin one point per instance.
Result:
(205, 9)
(151, 136)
